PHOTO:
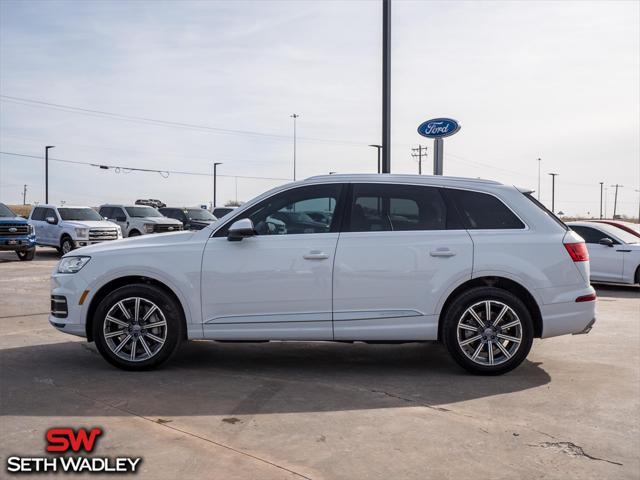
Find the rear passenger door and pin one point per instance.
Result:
(400, 249)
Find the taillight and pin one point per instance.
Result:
(578, 251)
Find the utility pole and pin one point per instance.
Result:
(601, 186)
(421, 151)
(295, 117)
(539, 161)
(379, 147)
(24, 195)
(386, 86)
(637, 190)
(215, 173)
(615, 199)
(46, 172)
(553, 192)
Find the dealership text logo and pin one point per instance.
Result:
(69, 441)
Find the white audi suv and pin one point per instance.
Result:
(479, 266)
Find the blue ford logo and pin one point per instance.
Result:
(438, 128)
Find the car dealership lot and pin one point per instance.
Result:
(322, 410)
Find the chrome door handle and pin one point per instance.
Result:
(442, 252)
(315, 255)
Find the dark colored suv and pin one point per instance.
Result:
(192, 218)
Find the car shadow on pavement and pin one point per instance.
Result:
(42, 254)
(209, 378)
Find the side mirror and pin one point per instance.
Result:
(606, 241)
(241, 229)
(120, 219)
(51, 220)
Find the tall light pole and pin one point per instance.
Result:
(379, 147)
(553, 191)
(386, 86)
(215, 173)
(539, 161)
(615, 199)
(601, 187)
(46, 172)
(638, 190)
(295, 117)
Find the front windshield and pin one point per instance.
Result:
(5, 211)
(619, 233)
(140, 212)
(200, 214)
(79, 214)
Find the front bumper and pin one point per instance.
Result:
(17, 244)
(85, 243)
(70, 288)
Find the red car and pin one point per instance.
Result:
(632, 228)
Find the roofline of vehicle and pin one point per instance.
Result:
(53, 205)
(401, 177)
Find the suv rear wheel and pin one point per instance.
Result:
(138, 327)
(488, 331)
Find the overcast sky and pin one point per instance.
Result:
(556, 80)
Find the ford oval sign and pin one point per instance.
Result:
(438, 128)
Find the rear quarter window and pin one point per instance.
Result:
(482, 211)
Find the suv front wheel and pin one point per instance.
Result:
(488, 331)
(138, 327)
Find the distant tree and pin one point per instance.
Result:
(232, 203)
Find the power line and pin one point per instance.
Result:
(120, 168)
(166, 123)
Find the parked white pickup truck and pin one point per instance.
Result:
(70, 227)
(137, 220)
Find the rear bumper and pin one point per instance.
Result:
(568, 317)
(587, 329)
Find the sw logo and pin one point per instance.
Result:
(66, 442)
(65, 439)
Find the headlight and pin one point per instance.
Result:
(31, 230)
(82, 232)
(119, 231)
(148, 227)
(72, 264)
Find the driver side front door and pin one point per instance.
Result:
(278, 283)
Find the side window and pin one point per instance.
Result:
(390, 207)
(119, 214)
(590, 235)
(300, 210)
(481, 211)
(106, 212)
(38, 214)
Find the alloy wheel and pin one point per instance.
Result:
(489, 332)
(135, 329)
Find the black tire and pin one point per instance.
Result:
(170, 311)
(458, 311)
(26, 255)
(66, 245)
(133, 233)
